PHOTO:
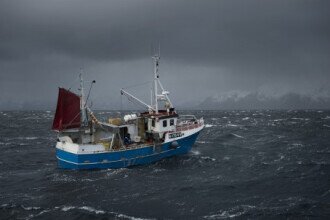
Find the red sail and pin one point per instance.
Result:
(67, 111)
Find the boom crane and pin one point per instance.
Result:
(136, 100)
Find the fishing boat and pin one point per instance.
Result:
(84, 142)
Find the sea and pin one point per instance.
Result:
(256, 164)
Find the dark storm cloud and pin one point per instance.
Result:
(261, 42)
(224, 31)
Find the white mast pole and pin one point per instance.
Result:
(82, 101)
(156, 59)
(82, 104)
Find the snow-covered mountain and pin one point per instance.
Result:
(257, 100)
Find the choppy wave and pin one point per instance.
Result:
(231, 213)
(262, 164)
(34, 212)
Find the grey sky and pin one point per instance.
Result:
(207, 47)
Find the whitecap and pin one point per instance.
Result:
(208, 158)
(326, 117)
(281, 158)
(23, 138)
(63, 178)
(232, 125)
(209, 126)
(203, 142)
(223, 215)
(85, 208)
(31, 138)
(246, 118)
(91, 209)
(129, 217)
(111, 172)
(195, 152)
(231, 213)
(39, 214)
(328, 126)
(303, 119)
(236, 135)
(67, 208)
(30, 208)
(226, 158)
(279, 119)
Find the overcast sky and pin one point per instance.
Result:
(207, 48)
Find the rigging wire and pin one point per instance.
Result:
(130, 99)
(73, 83)
(138, 84)
(89, 92)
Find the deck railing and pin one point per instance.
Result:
(188, 125)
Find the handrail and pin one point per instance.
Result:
(189, 125)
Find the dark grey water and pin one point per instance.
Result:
(245, 164)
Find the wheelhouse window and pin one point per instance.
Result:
(171, 122)
(165, 123)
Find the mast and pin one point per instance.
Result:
(156, 76)
(155, 97)
(82, 101)
(82, 104)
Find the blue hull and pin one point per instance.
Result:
(125, 158)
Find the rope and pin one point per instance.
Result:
(136, 85)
